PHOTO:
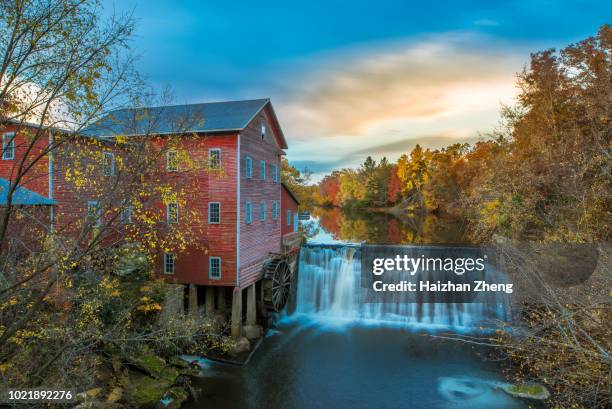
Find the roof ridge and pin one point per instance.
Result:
(267, 99)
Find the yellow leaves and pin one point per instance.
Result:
(22, 336)
(490, 212)
(4, 367)
(149, 307)
(109, 283)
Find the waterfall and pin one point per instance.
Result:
(328, 289)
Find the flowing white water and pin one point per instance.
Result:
(329, 290)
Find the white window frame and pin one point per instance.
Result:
(262, 211)
(169, 167)
(262, 170)
(248, 167)
(274, 173)
(210, 221)
(288, 217)
(216, 276)
(248, 213)
(263, 130)
(169, 261)
(8, 145)
(111, 169)
(98, 214)
(210, 156)
(168, 221)
(125, 215)
(274, 210)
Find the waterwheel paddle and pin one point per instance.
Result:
(276, 284)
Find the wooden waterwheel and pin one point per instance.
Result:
(276, 284)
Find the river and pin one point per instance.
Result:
(333, 352)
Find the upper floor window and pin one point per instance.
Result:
(262, 170)
(8, 146)
(172, 213)
(126, 213)
(248, 167)
(262, 211)
(172, 162)
(263, 131)
(214, 268)
(169, 259)
(288, 217)
(108, 164)
(214, 158)
(275, 173)
(274, 210)
(214, 213)
(93, 212)
(247, 213)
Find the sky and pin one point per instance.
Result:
(355, 78)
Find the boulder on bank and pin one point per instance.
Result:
(252, 332)
(148, 363)
(145, 392)
(238, 346)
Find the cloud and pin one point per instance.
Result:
(391, 150)
(396, 148)
(352, 91)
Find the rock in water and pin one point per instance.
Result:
(527, 390)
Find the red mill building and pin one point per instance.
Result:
(240, 205)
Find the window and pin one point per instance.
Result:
(275, 173)
(288, 217)
(247, 211)
(172, 213)
(214, 158)
(169, 259)
(8, 146)
(93, 212)
(126, 214)
(214, 268)
(108, 164)
(214, 213)
(263, 131)
(274, 210)
(248, 168)
(262, 170)
(262, 211)
(172, 161)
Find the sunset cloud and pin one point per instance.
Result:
(351, 92)
(381, 99)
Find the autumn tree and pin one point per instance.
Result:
(63, 294)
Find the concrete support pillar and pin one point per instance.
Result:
(193, 300)
(210, 300)
(251, 306)
(221, 303)
(237, 312)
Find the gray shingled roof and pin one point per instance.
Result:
(205, 117)
(22, 196)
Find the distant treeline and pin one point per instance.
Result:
(544, 175)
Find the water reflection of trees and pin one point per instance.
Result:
(386, 228)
